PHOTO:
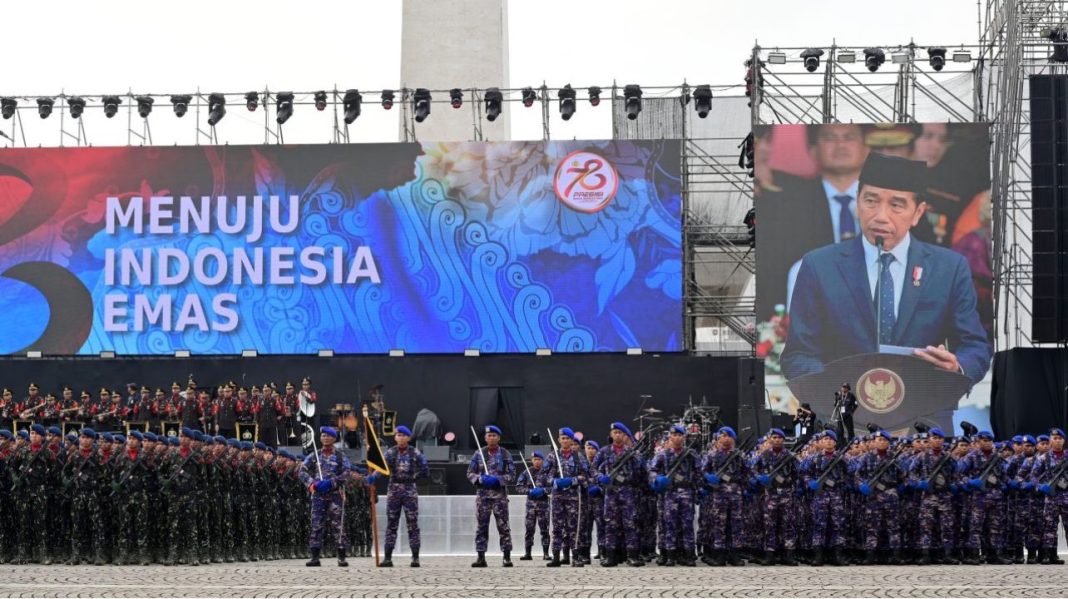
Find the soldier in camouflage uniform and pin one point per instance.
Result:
(987, 506)
(592, 510)
(1052, 484)
(179, 474)
(725, 476)
(674, 473)
(932, 474)
(406, 465)
(570, 464)
(81, 479)
(324, 474)
(31, 485)
(618, 469)
(825, 474)
(534, 483)
(881, 498)
(8, 533)
(776, 472)
(491, 471)
(129, 492)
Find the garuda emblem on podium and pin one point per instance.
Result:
(880, 390)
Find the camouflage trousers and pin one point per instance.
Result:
(881, 516)
(1055, 508)
(87, 525)
(592, 515)
(495, 503)
(537, 517)
(133, 522)
(987, 512)
(327, 510)
(937, 522)
(181, 527)
(565, 514)
(779, 520)
(31, 523)
(724, 519)
(402, 496)
(676, 519)
(826, 510)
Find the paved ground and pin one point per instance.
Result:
(451, 577)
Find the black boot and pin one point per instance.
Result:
(555, 561)
(341, 561)
(869, 558)
(661, 560)
(314, 561)
(686, 558)
(634, 558)
(999, 558)
(481, 561)
(415, 558)
(545, 553)
(507, 562)
(971, 557)
(895, 557)
(600, 552)
(1032, 556)
(925, 558)
(719, 558)
(1018, 555)
(1054, 560)
(608, 558)
(788, 558)
(835, 557)
(817, 558)
(669, 558)
(388, 562)
(526, 557)
(576, 560)
(708, 555)
(566, 560)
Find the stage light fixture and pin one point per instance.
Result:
(567, 102)
(846, 56)
(34, 353)
(900, 57)
(811, 58)
(144, 105)
(472, 353)
(874, 58)
(111, 105)
(7, 107)
(595, 95)
(702, 100)
(396, 353)
(634, 351)
(326, 353)
(543, 351)
(320, 101)
(777, 57)
(632, 100)
(181, 104)
(456, 97)
(494, 100)
(249, 353)
(44, 107)
(387, 99)
(937, 58)
(962, 56)
(351, 103)
(182, 353)
(76, 105)
(252, 101)
(216, 108)
(107, 354)
(1059, 37)
(421, 104)
(283, 107)
(529, 96)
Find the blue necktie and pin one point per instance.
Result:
(886, 294)
(846, 227)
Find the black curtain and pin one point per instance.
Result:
(1028, 395)
(483, 411)
(510, 417)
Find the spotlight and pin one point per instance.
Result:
(252, 101)
(351, 103)
(111, 105)
(702, 100)
(421, 104)
(76, 106)
(494, 99)
(144, 105)
(181, 104)
(320, 101)
(456, 97)
(847, 56)
(7, 107)
(632, 95)
(1059, 37)
(44, 107)
(777, 57)
(595, 95)
(216, 108)
(874, 58)
(283, 106)
(811, 58)
(567, 102)
(387, 99)
(529, 96)
(937, 58)
(962, 55)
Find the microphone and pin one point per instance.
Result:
(879, 242)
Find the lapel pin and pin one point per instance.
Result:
(917, 275)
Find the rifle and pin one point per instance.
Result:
(935, 480)
(775, 476)
(1056, 480)
(890, 461)
(68, 481)
(623, 459)
(987, 476)
(738, 453)
(825, 478)
(118, 485)
(678, 461)
(33, 461)
(171, 478)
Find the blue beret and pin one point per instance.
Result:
(1029, 439)
(726, 430)
(1000, 445)
(72, 436)
(88, 432)
(884, 434)
(538, 454)
(493, 428)
(329, 430)
(260, 445)
(137, 435)
(831, 434)
(403, 430)
(776, 431)
(116, 438)
(760, 440)
(234, 443)
(173, 441)
(1017, 438)
(187, 432)
(6, 434)
(271, 449)
(54, 430)
(106, 437)
(219, 439)
(936, 432)
(567, 432)
(593, 444)
(246, 446)
(40, 430)
(1042, 438)
(150, 436)
(283, 453)
(985, 435)
(25, 434)
(678, 429)
(1056, 431)
(207, 440)
(619, 426)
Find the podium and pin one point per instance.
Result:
(892, 390)
(248, 431)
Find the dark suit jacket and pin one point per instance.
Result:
(833, 315)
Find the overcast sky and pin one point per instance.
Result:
(113, 46)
